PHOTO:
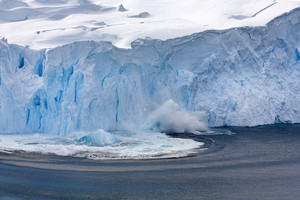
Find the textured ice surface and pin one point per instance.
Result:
(49, 23)
(241, 76)
(99, 138)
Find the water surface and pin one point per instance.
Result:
(254, 163)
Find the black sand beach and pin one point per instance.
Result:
(255, 163)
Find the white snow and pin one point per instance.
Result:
(244, 76)
(238, 77)
(47, 24)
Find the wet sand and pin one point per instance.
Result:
(255, 163)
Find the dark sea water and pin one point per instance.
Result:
(253, 163)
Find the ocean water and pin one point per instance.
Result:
(101, 145)
(250, 163)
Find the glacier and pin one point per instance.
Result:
(243, 76)
(48, 24)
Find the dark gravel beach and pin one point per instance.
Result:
(254, 163)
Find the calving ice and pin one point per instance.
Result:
(241, 76)
(91, 90)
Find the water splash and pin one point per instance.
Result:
(170, 118)
(119, 145)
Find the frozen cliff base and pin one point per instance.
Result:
(241, 76)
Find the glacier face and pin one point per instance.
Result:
(241, 76)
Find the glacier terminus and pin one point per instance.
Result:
(150, 99)
(74, 95)
(240, 77)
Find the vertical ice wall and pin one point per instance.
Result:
(241, 76)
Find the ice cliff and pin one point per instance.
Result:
(241, 77)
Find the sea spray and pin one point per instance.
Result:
(171, 118)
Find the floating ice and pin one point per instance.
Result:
(99, 138)
(121, 145)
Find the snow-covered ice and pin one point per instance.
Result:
(242, 77)
(47, 24)
(119, 92)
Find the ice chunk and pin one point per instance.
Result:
(99, 138)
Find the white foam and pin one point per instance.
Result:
(138, 145)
